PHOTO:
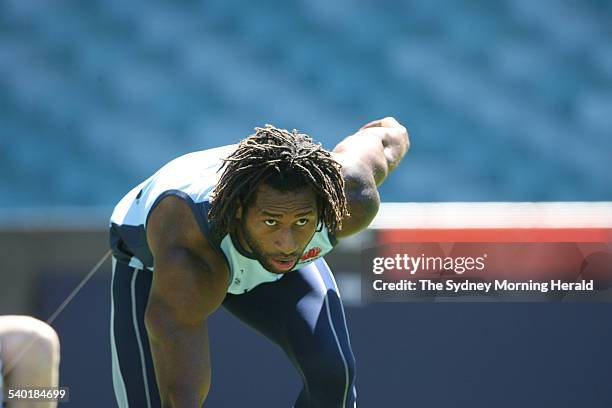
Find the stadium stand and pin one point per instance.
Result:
(506, 101)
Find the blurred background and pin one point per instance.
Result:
(505, 101)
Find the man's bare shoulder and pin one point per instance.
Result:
(172, 224)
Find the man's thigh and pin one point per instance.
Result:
(134, 379)
(303, 314)
(299, 300)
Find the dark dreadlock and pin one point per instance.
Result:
(286, 161)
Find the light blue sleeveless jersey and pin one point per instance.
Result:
(192, 177)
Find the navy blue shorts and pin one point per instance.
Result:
(301, 312)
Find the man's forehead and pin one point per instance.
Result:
(269, 199)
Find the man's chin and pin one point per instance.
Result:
(271, 268)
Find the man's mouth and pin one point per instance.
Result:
(282, 264)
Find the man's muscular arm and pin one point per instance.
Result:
(367, 157)
(189, 283)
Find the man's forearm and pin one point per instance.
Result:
(182, 361)
(393, 137)
(379, 146)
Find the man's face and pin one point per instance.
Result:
(278, 225)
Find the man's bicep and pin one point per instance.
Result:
(363, 201)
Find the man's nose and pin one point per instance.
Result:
(286, 242)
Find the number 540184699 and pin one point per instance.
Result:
(38, 394)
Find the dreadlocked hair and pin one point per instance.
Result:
(286, 161)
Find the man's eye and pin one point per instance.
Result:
(270, 223)
(302, 222)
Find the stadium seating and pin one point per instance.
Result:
(505, 101)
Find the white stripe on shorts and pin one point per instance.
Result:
(139, 340)
(118, 383)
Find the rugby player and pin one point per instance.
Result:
(244, 227)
